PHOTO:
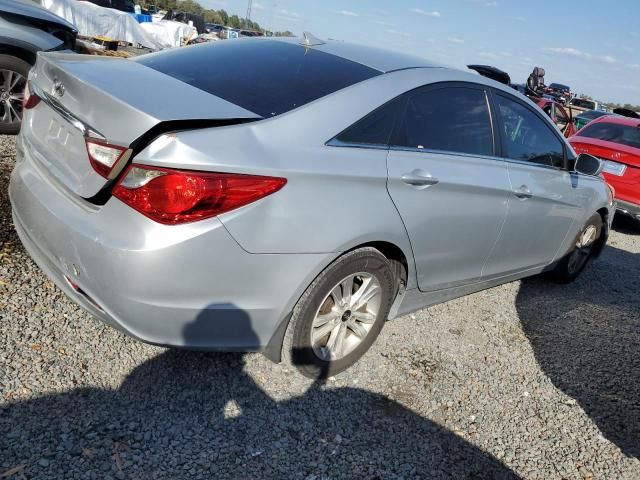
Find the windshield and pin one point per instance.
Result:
(613, 132)
(266, 77)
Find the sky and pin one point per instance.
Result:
(592, 46)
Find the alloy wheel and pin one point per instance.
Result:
(346, 316)
(583, 248)
(12, 86)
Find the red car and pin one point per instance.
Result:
(616, 140)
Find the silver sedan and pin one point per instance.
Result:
(289, 197)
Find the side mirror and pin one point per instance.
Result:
(588, 165)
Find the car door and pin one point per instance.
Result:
(446, 182)
(546, 198)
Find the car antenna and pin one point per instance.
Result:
(309, 40)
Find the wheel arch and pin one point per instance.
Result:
(21, 50)
(604, 234)
(402, 265)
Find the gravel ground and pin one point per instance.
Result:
(527, 380)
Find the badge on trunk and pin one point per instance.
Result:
(58, 88)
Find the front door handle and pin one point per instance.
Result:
(523, 192)
(419, 178)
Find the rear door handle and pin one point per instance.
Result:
(419, 178)
(523, 192)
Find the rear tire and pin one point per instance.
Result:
(570, 267)
(13, 77)
(340, 314)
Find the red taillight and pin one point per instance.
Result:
(177, 196)
(30, 99)
(104, 156)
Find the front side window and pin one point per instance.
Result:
(451, 119)
(527, 136)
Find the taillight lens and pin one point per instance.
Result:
(177, 196)
(29, 99)
(104, 156)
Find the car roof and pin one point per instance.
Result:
(373, 57)
(618, 120)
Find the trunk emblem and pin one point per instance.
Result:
(58, 88)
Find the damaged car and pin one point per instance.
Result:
(294, 200)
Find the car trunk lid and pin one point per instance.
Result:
(113, 100)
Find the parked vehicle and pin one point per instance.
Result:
(293, 200)
(559, 92)
(616, 140)
(25, 29)
(585, 103)
(214, 28)
(585, 117)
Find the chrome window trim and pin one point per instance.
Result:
(334, 142)
(399, 148)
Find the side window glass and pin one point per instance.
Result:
(375, 128)
(527, 137)
(451, 119)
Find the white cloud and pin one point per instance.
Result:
(348, 13)
(574, 52)
(396, 32)
(257, 6)
(519, 18)
(288, 15)
(420, 11)
(491, 4)
(635, 66)
(386, 24)
(455, 40)
(489, 55)
(506, 54)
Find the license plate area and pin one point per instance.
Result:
(614, 168)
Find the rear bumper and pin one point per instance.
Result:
(628, 208)
(188, 286)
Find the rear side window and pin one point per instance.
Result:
(527, 136)
(613, 132)
(266, 77)
(451, 119)
(374, 129)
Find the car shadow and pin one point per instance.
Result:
(185, 414)
(586, 338)
(626, 225)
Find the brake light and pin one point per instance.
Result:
(29, 99)
(104, 156)
(177, 196)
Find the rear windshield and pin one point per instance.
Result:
(591, 114)
(266, 77)
(612, 132)
(583, 103)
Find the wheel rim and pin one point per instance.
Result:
(583, 248)
(346, 316)
(12, 86)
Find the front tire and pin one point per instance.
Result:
(575, 261)
(13, 79)
(340, 314)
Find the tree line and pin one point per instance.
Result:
(220, 17)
